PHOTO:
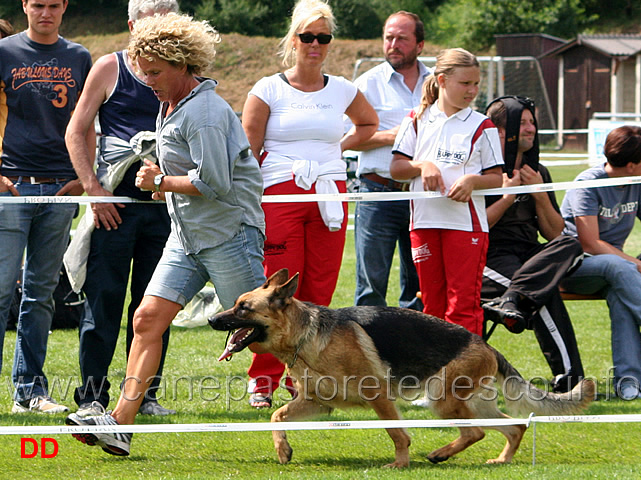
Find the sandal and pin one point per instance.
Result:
(260, 400)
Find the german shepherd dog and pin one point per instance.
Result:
(368, 356)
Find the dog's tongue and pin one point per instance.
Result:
(231, 347)
(227, 353)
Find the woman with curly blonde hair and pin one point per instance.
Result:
(294, 123)
(212, 186)
(445, 146)
(177, 39)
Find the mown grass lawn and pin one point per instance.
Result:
(203, 390)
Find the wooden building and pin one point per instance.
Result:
(597, 73)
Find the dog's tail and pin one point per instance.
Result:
(523, 398)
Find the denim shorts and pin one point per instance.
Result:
(234, 267)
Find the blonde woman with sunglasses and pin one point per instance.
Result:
(294, 123)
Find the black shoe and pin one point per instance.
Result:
(504, 310)
(564, 383)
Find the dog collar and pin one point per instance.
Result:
(298, 347)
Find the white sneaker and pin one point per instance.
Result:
(152, 407)
(39, 404)
(90, 409)
(112, 443)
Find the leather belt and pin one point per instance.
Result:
(387, 182)
(36, 180)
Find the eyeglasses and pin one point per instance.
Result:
(323, 38)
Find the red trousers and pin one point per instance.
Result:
(450, 266)
(298, 239)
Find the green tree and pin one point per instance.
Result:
(472, 24)
(425, 9)
(189, 6)
(247, 17)
(10, 9)
(356, 19)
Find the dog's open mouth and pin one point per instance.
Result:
(238, 340)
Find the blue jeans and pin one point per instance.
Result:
(378, 227)
(234, 267)
(43, 229)
(621, 282)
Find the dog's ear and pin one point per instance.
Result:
(277, 279)
(291, 286)
(283, 293)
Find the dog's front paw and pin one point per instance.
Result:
(284, 452)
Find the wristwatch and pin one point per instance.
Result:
(158, 180)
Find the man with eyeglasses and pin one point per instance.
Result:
(520, 272)
(393, 88)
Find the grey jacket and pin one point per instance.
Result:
(203, 138)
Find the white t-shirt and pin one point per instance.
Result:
(302, 125)
(466, 142)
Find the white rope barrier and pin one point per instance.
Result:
(628, 418)
(354, 197)
(71, 199)
(308, 426)
(389, 196)
(26, 430)
(258, 426)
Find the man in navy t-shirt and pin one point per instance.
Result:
(41, 77)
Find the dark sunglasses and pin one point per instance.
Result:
(323, 38)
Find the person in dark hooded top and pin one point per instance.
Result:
(522, 276)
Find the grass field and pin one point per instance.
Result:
(205, 391)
